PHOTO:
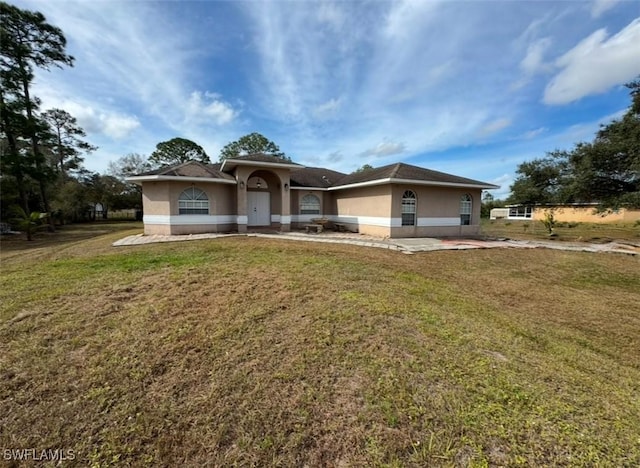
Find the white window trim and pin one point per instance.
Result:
(301, 203)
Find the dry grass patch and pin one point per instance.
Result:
(565, 231)
(247, 351)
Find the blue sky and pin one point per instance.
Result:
(472, 88)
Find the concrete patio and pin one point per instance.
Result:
(407, 246)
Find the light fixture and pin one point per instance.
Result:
(286, 186)
(258, 184)
(242, 184)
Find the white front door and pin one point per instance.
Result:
(258, 209)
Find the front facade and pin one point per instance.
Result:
(258, 191)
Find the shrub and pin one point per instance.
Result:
(549, 221)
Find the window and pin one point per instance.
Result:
(465, 209)
(519, 212)
(408, 208)
(310, 204)
(193, 201)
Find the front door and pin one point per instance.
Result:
(258, 209)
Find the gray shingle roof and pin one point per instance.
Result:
(407, 172)
(318, 176)
(191, 169)
(261, 157)
(315, 177)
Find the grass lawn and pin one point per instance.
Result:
(256, 352)
(586, 232)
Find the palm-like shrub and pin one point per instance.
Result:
(28, 223)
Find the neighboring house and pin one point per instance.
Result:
(576, 212)
(398, 200)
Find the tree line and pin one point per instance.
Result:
(42, 151)
(604, 171)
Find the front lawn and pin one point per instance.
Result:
(248, 351)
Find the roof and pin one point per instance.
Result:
(262, 157)
(406, 172)
(190, 169)
(315, 177)
(260, 160)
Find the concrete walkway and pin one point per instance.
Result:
(407, 246)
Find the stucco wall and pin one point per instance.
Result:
(298, 219)
(364, 201)
(221, 196)
(377, 210)
(155, 198)
(276, 179)
(437, 202)
(161, 210)
(372, 210)
(587, 215)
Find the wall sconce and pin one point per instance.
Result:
(286, 186)
(242, 184)
(258, 184)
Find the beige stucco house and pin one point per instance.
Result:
(257, 191)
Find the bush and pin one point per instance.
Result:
(549, 221)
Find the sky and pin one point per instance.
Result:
(471, 88)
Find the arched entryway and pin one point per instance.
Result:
(264, 199)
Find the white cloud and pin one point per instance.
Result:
(327, 109)
(534, 133)
(407, 15)
(204, 107)
(505, 181)
(534, 62)
(118, 126)
(384, 149)
(494, 127)
(93, 117)
(600, 6)
(596, 64)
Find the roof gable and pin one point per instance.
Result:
(190, 169)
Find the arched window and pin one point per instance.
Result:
(466, 206)
(310, 204)
(408, 208)
(193, 201)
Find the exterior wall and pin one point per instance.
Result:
(278, 181)
(584, 214)
(155, 198)
(161, 212)
(499, 213)
(374, 210)
(365, 209)
(437, 212)
(298, 220)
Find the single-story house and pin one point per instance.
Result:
(575, 212)
(257, 191)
